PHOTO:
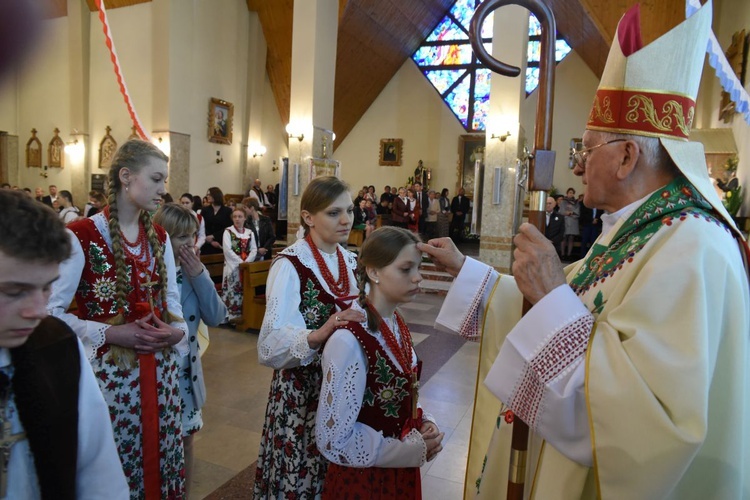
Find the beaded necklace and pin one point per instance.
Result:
(142, 256)
(341, 287)
(402, 351)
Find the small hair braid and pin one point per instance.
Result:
(373, 322)
(161, 268)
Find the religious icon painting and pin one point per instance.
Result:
(34, 151)
(56, 151)
(220, 116)
(107, 149)
(390, 152)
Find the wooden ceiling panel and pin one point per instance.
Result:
(114, 4)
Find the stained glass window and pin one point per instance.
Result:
(447, 61)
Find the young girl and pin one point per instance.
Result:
(199, 302)
(69, 212)
(369, 424)
(239, 246)
(308, 289)
(122, 276)
(187, 201)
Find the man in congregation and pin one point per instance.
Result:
(56, 438)
(631, 368)
(555, 227)
(51, 198)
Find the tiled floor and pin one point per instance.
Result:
(237, 388)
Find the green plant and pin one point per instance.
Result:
(733, 200)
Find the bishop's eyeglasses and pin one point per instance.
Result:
(580, 157)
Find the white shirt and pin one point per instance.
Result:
(282, 342)
(340, 438)
(99, 471)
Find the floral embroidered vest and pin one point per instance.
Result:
(386, 405)
(316, 304)
(95, 296)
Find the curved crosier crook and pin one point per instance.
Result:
(541, 168)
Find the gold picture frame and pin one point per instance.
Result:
(391, 152)
(56, 151)
(34, 151)
(220, 117)
(468, 145)
(107, 149)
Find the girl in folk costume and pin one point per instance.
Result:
(239, 246)
(309, 286)
(414, 211)
(122, 276)
(187, 201)
(199, 301)
(369, 424)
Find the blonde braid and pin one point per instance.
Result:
(161, 268)
(123, 357)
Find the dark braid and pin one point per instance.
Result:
(373, 322)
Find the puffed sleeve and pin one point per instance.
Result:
(91, 333)
(174, 306)
(282, 341)
(340, 438)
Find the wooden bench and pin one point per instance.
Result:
(215, 265)
(356, 237)
(253, 274)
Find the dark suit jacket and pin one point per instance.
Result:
(462, 206)
(266, 238)
(47, 200)
(397, 213)
(587, 216)
(424, 199)
(555, 230)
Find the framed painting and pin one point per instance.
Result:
(34, 151)
(469, 146)
(324, 166)
(56, 151)
(220, 116)
(390, 152)
(107, 149)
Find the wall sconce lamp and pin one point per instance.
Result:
(76, 149)
(294, 133)
(502, 138)
(219, 159)
(257, 150)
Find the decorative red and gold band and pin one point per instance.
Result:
(642, 113)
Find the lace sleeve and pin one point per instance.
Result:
(282, 342)
(343, 440)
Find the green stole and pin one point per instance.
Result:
(678, 200)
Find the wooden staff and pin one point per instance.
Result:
(541, 168)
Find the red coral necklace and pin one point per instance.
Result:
(341, 287)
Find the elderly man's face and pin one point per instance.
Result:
(599, 176)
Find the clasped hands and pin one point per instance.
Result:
(536, 266)
(146, 335)
(433, 438)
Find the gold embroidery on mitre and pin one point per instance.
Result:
(601, 112)
(673, 115)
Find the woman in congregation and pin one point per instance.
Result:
(414, 211)
(376, 443)
(239, 246)
(217, 218)
(97, 202)
(199, 301)
(68, 211)
(571, 209)
(444, 222)
(309, 289)
(188, 201)
(122, 275)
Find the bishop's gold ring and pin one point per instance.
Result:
(338, 318)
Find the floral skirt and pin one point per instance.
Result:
(231, 293)
(289, 463)
(372, 483)
(122, 392)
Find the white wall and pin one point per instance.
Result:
(408, 108)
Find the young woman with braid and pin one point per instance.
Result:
(309, 288)
(369, 423)
(129, 318)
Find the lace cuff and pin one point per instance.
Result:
(301, 350)
(96, 339)
(414, 438)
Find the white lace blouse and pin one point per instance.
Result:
(340, 438)
(282, 342)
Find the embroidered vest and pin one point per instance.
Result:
(316, 304)
(386, 405)
(46, 372)
(95, 295)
